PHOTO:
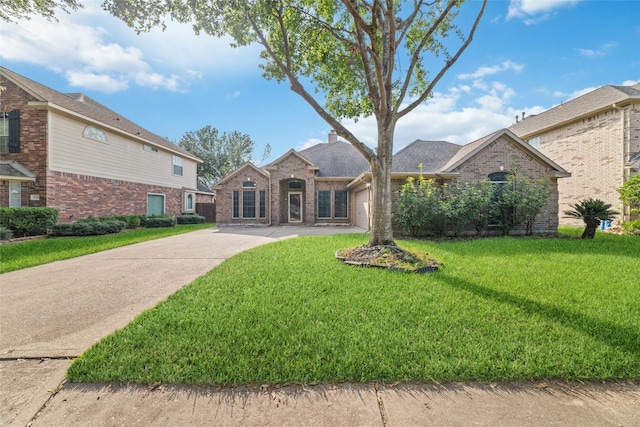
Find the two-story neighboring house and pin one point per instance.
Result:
(596, 137)
(71, 153)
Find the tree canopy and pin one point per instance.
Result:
(221, 153)
(11, 10)
(345, 58)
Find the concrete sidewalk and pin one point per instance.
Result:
(52, 313)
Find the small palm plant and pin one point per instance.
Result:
(592, 212)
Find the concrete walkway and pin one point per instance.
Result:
(51, 313)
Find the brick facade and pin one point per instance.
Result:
(33, 145)
(593, 150)
(79, 196)
(224, 196)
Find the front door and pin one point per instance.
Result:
(295, 207)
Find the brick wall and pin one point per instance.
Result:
(593, 150)
(79, 196)
(224, 197)
(291, 168)
(33, 144)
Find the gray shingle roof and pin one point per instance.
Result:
(432, 154)
(336, 159)
(12, 169)
(92, 109)
(586, 104)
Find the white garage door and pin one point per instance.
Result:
(362, 209)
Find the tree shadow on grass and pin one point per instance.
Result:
(624, 338)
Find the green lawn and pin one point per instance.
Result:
(16, 256)
(289, 312)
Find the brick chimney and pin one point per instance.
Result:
(333, 136)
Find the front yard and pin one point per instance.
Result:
(289, 312)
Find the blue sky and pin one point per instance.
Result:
(527, 56)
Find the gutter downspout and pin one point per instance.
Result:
(626, 151)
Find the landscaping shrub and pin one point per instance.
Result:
(630, 193)
(156, 222)
(88, 228)
(190, 219)
(592, 212)
(631, 227)
(25, 221)
(5, 233)
(131, 221)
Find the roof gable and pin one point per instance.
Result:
(242, 169)
(291, 153)
(91, 109)
(473, 148)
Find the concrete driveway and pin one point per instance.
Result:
(50, 314)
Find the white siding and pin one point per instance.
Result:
(119, 158)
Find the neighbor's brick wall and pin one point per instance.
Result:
(224, 198)
(593, 151)
(79, 196)
(33, 144)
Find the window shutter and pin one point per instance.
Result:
(14, 131)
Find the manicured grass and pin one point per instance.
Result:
(16, 256)
(289, 312)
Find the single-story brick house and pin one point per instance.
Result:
(329, 183)
(71, 153)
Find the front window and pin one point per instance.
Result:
(235, 210)
(4, 132)
(263, 204)
(248, 184)
(340, 203)
(15, 194)
(189, 203)
(324, 204)
(295, 185)
(177, 165)
(248, 204)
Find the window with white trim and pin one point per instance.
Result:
(177, 165)
(94, 133)
(15, 194)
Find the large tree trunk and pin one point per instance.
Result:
(381, 226)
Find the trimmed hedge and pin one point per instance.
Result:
(88, 228)
(160, 222)
(190, 219)
(131, 221)
(25, 221)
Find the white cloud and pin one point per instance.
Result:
(533, 11)
(96, 51)
(602, 51)
(487, 71)
(232, 95)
